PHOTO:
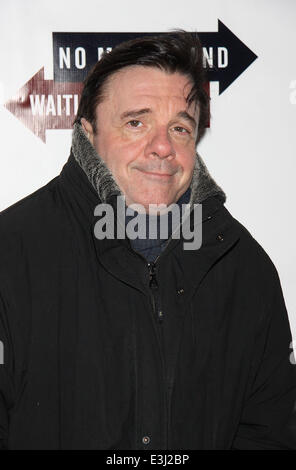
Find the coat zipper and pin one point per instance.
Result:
(153, 284)
(158, 314)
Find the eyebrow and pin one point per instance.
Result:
(134, 113)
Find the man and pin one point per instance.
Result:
(122, 343)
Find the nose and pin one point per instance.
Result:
(160, 144)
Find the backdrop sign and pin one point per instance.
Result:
(52, 104)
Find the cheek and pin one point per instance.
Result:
(121, 156)
(115, 150)
(186, 157)
(125, 151)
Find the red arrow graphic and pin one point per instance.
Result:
(45, 104)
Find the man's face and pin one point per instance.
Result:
(146, 134)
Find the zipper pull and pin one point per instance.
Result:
(160, 316)
(153, 284)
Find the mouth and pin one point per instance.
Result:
(156, 175)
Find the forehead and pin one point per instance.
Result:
(135, 83)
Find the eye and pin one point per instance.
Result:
(181, 130)
(134, 123)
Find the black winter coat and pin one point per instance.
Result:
(89, 363)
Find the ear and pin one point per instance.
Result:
(88, 129)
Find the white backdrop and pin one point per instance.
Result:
(250, 147)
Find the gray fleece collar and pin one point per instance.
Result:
(202, 184)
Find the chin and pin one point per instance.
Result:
(155, 199)
(155, 202)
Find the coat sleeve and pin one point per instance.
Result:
(268, 418)
(6, 380)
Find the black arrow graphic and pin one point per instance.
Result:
(76, 53)
(238, 55)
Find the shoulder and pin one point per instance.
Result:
(30, 223)
(252, 257)
(21, 213)
(256, 281)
